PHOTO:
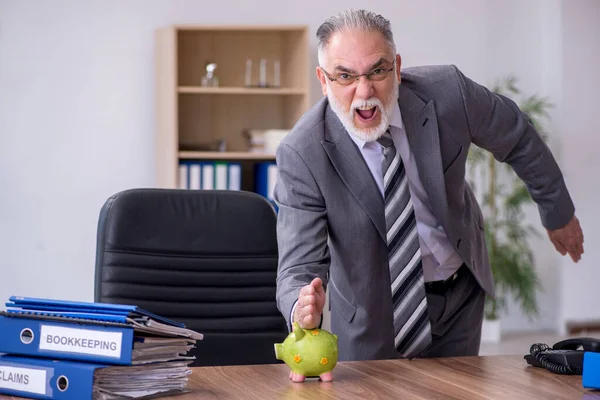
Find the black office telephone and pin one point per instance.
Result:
(565, 357)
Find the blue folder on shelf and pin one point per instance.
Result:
(93, 332)
(40, 378)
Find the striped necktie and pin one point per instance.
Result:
(412, 331)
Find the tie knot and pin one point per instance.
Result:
(386, 139)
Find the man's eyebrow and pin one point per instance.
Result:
(377, 64)
(344, 69)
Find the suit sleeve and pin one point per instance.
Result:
(499, 126)
(301, 229)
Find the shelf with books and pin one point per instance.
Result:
(263, 84)
(225, 155)
(242, 90)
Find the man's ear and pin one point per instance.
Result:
(398, 66)
(322, 80)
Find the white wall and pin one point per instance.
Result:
(77, 118)
(580, 144)
(566, 59)
(537, 64)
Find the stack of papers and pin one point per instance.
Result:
(150, 349)
(141, 381)
(103, 351)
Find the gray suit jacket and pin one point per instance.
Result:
(331, 215)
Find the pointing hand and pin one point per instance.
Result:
(568, 239)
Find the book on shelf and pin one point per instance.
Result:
(220, 175)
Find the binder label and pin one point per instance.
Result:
(23, 379)
(82, 341)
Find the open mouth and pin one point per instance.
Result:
(366, 114)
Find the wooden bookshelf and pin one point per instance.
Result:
(241, 90)
(192, 119)
(224, 155)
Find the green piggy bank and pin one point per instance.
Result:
(309, 353)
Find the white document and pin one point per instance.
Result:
(195, 178)
(182, 181)
(235, 177)
(208, 176)
(221, 176)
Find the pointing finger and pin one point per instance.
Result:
(574, 256)
(573, 249)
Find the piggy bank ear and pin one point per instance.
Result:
(298, 332)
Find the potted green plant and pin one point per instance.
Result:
(503, 196)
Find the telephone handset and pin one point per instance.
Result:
(565, 357)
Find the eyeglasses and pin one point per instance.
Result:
(345, 79)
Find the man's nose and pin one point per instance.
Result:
(364, 88)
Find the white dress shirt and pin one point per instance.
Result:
(440, 260)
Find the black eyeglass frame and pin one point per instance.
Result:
(357, 76)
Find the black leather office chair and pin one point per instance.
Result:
(204, 258)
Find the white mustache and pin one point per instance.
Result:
(369, 103)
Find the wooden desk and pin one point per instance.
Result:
(490, 377)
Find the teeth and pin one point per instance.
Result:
(365, 108)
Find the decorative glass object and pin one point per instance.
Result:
(276, 74)
(210, 80)
(262, 80)
(248, 72)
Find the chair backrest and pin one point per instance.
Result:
(207, 258)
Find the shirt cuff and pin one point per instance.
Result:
(292, 315)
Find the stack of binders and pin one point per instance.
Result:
(76, 350)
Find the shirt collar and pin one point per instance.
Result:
(395, 121)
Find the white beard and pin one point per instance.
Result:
(347, 117)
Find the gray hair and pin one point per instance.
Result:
(361, 20)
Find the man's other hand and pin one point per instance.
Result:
(568, 239)
(311, 302)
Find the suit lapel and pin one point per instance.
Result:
(353, 170)
(420, 123)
